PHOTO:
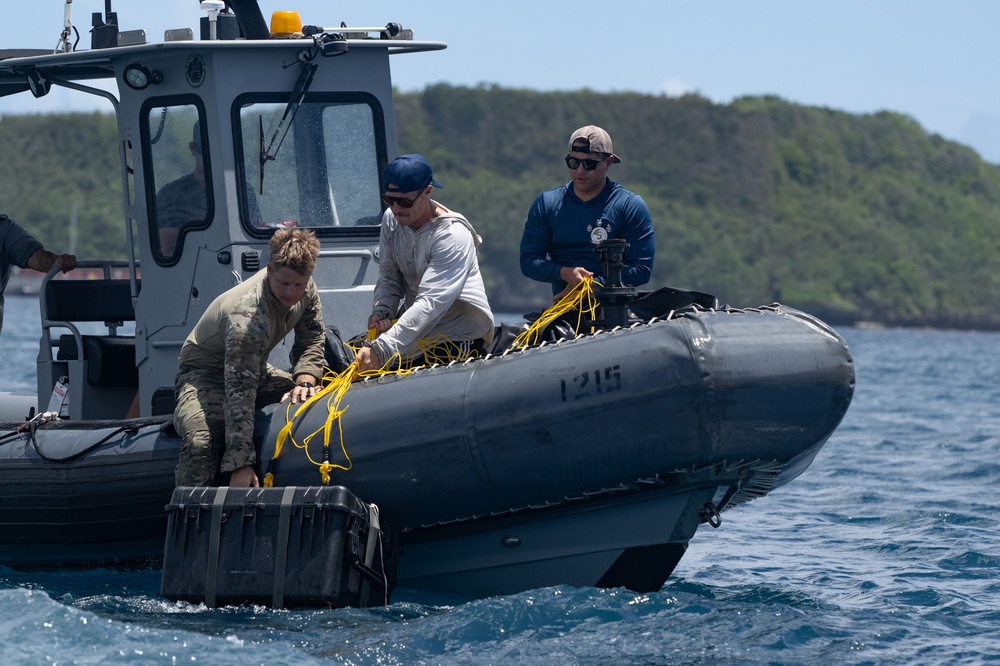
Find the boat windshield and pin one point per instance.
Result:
(322, 172)
(176, 148)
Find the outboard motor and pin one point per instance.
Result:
(614, 296)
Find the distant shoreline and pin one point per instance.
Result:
(27, 286)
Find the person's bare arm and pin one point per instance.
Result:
(43, 261)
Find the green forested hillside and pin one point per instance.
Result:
(51, 162)
(850, 217)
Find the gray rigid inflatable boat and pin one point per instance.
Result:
(586, 460)
(589, 461)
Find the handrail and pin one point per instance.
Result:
(106, 266)
(364, 253)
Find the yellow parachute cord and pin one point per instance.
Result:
(580, 299)
(335, 386)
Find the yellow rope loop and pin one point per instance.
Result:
(335, 385)
(334, 389)
(441, 350)
(286, 431)
(580, 299)
(390, 367)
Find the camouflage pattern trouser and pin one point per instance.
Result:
(200, 419)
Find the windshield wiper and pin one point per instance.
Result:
(306, 72)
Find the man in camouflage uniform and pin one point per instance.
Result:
(224, 374)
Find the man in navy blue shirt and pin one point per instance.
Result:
(565, 225)
(19, 248)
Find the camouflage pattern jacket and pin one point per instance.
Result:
(234, 337)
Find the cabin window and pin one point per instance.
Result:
(319, 170)
(177, 150)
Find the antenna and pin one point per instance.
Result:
(63, 45)
(213, 7)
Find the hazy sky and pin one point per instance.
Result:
(935, 61)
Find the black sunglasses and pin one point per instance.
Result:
(588, 165)
(398, 201)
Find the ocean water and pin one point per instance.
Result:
(885, 551)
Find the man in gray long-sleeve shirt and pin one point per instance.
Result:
(428, 261)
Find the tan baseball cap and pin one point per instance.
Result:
(596, 138)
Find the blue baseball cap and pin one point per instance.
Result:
(408, 173)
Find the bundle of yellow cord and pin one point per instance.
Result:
(335, 386)
(580, 299)
(437, 349)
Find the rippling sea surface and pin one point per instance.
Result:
(885, 551)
